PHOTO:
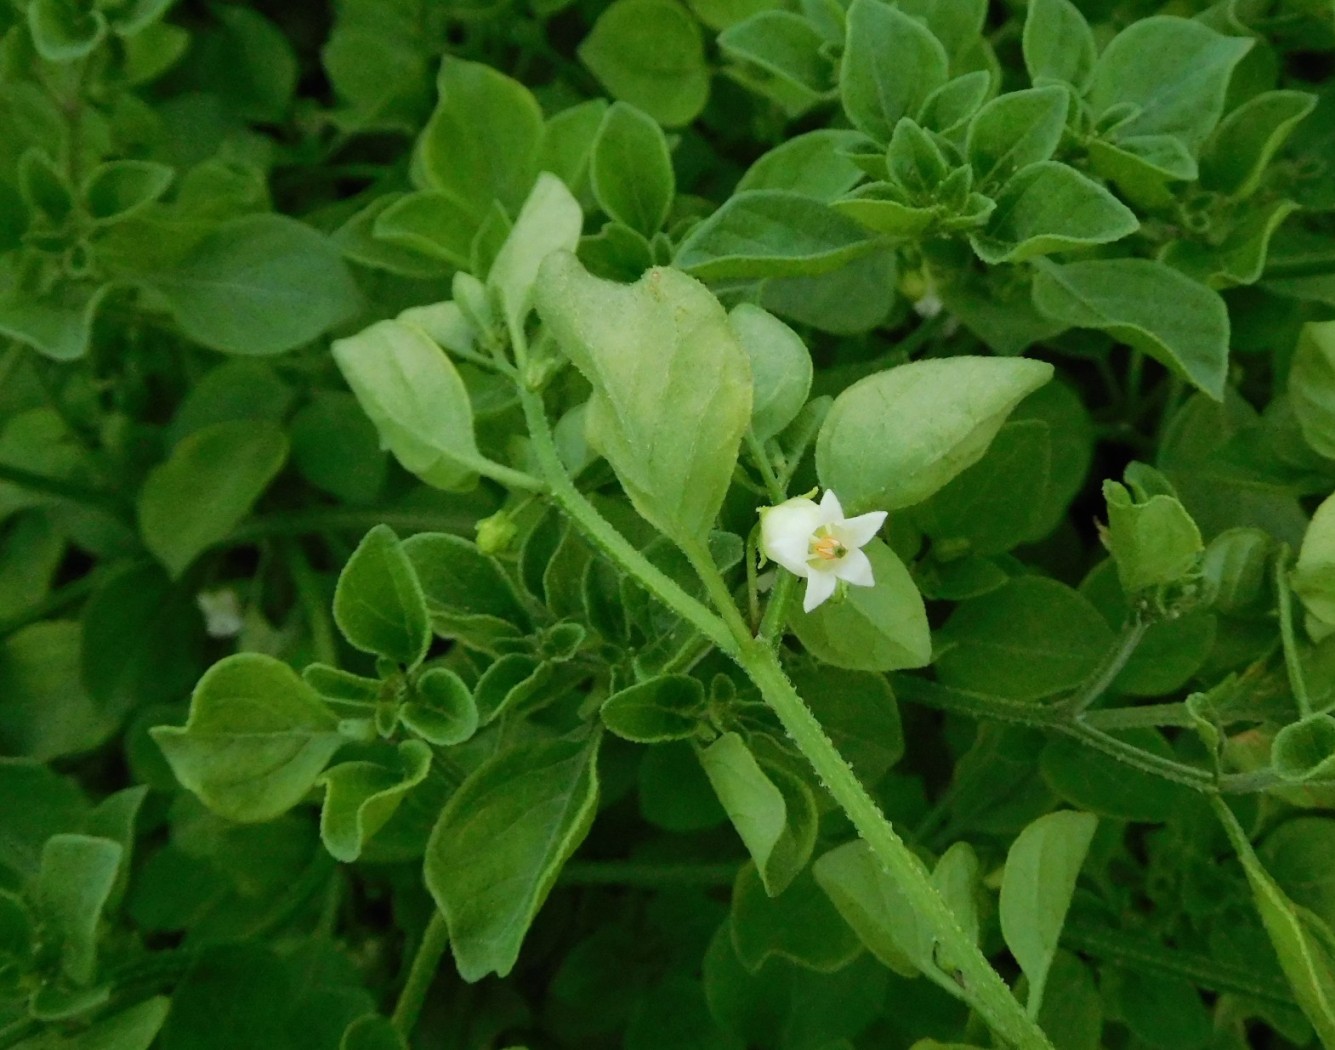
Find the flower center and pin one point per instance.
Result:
(826, 547)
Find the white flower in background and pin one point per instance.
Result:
(222, 612)
(815, 541)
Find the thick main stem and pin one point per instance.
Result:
(983, 985)
(425, 963)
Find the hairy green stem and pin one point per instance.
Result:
(1297, 681)
(1140, 954)
(1106, 673)
(776, 490)
(599, 531)
(984, 986)
(1174, 714)
(776, 612)
(425, 963)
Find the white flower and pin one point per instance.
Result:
(815, 541)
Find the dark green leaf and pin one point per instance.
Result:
(378, 603)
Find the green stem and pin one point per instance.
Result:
(776, 612)
(717, 588)
(647, 876)
(12, 1035)
(1137, 758)
(1104, 676)
(425, 963)
(977, 705)
(1140, 954)
(60, 488)
(314, 602)
(777, 491)
(599, 531)
(1175, 714)
(984, 986)
(1297, 682)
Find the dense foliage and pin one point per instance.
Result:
(388, 653)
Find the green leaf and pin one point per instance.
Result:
(73, 885)
(787, 54)
(773, 811)
(800, 925)
(1298, 854)
(1101, 784)
(1036, 888)
(1235, 159)
(1311, 386)
(1171, 72)
(134, 1028)
(256, 740)
(670, 707)
(501, 842)
(550, 221)
(896, 437)
(142, 640)
(206, 487)
(414, 396)
(780, 368)
(460, 581)
(361, 796)
(992, 506)
(1153, 541)
(871, 903)
(372, 1032)
(429, 223)
(47, 711)
(378, 603)
(891, 63)
(1058, 43)
(1029, 639)
(955, 102)
(880, 628)
(336, 448)
(916, 163)
(481, 143)
(772, 233)
(672, 386)
(1304, 944)
(258, 285)
(631, 169)
(650, 53)
(63, 31)
(1147, 305)
(444, 712)
(58, 324)
(118, 189)
(1050, 207)
(1305, 750)
(1314, 574)
(1014, 131)
(812, 164)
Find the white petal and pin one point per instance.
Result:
(831, 509)
(856, 532)
(855, 567)
(820, 585)
(792, 553)
(785, 532)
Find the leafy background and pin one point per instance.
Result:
(196, 199)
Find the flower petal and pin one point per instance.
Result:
(855, 567)
(785, 533)
(831, 509)
(857, 532)
(820, 585)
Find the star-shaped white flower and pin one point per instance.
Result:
(815, 541)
